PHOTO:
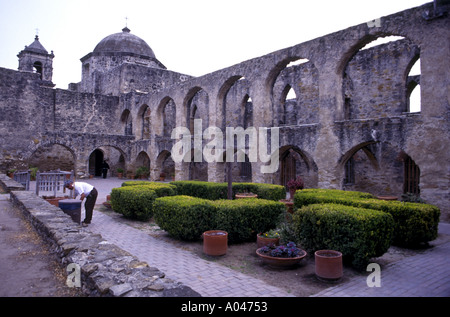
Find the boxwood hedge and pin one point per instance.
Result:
(414, 223)
(186, 217)
(134, 202)
(135, 198)
(215, 191)
(358, 233)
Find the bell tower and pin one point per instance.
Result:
(35, 58)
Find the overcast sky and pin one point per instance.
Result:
(193, 37)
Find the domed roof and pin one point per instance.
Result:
(124, 42)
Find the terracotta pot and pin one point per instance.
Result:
(292, 193)
(244, 195)
(289, 205)
(280, 263)
(120, 175)
(215, 242)
(263, 241)
(387, 197)
(328, 264)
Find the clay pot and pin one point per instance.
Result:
(289, 205)
(215, 242)
(263, 241)
(245, 195)
(278, 262)
(328, 265)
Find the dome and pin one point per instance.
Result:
(124, 42)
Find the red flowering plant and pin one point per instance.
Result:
(295, 183)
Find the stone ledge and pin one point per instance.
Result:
(106, 269)
(8, 184)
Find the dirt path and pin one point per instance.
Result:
(27, 266)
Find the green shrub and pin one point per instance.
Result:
(414, 223)
(134, 202)
(184, 217)
(161, 189)
(243, 219)
(215, 191)
(358, 233)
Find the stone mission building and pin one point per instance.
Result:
(344, 110)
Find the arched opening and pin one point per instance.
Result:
(413, 97)
(374, 77)
(411, 175)
(95, 162)
(127, 122)
(37, 68)
(295, 92)
(52, 157)
(144, 122)
(165, 165)
(142, 165)
(295, 162)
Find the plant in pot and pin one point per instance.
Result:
(266, 238)
(142, 172)
(281, 256)
(162, 176)
(120, 172)
(294, 185)
(11, 172)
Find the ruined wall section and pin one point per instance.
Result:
(374, 80)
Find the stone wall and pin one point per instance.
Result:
(106, 270)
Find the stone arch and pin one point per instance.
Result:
(221, 99)
(143, 122)
(143, 161)
(295, 162)
(126, 120)
(165, 164)
(376, 166)
(299, 77)
(165, 117)
(196, 106)
(379, 72)
(53, 156)
(113, 155)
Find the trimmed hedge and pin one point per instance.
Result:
(135, 198)
(186, 217)
(415, 223)
(134, 202)
(243, 219)
(216, 191)
(358, 233)
(161, 189)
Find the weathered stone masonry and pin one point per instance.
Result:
(348, 125)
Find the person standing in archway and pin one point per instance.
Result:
(105, 168)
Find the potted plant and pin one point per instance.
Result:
(11, 172)
(162, 176)
(120, 172)
(328, 265)
(266, 238)
(142, 172)
(281, 256)
(294, 185)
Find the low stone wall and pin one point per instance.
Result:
(105, 269)
(8, 184)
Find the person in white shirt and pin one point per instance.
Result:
(87, 191)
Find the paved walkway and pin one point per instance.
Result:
(425, 274)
